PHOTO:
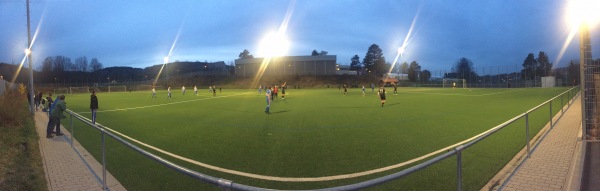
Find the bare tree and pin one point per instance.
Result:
(95, 65)
(47, 64)
(61, 64)
(81, 64)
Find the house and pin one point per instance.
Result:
(287, 65)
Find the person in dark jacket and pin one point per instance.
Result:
(56, 113)
(94, 106)
(38, 99)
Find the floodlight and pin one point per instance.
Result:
(274, 44)
(583, 12)
(401, 50)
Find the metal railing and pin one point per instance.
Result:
(230, 185)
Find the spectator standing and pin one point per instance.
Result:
(93, 106)
(38, 99)
(56, 113)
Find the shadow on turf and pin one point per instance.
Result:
(282, 111)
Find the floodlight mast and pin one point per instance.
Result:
(585, 58)
(28, 52)
(166, 59)
(582, 15)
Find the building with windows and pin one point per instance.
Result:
(288, 65)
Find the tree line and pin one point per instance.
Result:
(63, 63)
(373, 63)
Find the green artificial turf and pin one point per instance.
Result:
(312, 133)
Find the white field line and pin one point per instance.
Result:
(455, 94)
(302, 179)
(164, 104)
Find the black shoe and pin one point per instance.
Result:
(53, 132)
(59, 134)
(49, 136)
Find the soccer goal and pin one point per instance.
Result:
(83, 89)
(454, 83)
(117, 89)
(61, 91)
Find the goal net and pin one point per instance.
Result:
(74, 90)
(454, 83)
(117, 89)
(61, 91)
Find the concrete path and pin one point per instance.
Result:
(555, 163)
(66, 167)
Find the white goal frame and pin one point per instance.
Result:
(460, 83)
(82, 89)
(117, 89)
(59, 91)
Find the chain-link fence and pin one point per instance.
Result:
(5, 86)
(590, 89)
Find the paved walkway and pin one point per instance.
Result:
(67, 168)
(555, 163)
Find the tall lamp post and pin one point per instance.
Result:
(28, 53)
(585, 57)
(166, 59)
(583, 14)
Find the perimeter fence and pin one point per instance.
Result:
(565, 100)
(5, 86)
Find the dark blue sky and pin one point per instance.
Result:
(491, 33)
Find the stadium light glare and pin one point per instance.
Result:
(401, 50)
(583, 15)
(583, 12)
(398, 56)
(273, 45)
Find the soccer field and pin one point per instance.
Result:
(312, 133)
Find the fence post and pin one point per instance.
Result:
(551, 125)
(527, 134)
(72, 133)
(562, 107)
(573, 100)
(569, 96)
(225, 185)
(103, 161)
(459, 167)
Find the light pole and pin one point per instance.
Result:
(585, 58)
(166, 59)
(583, 14)
(28, 52)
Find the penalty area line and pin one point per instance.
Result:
(164, 104)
